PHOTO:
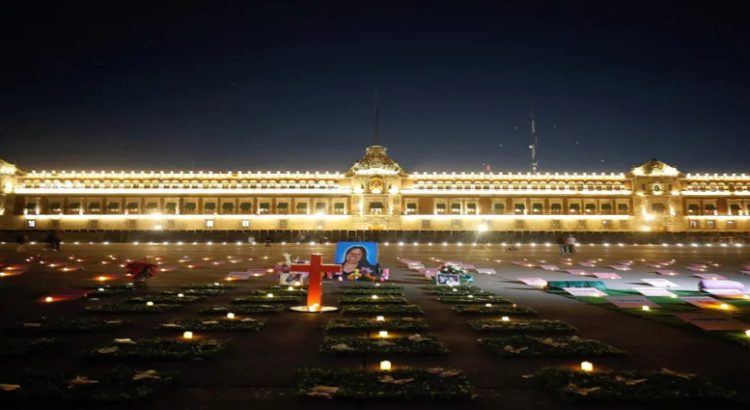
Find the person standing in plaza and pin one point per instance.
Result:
(570, 243)
(562, 245)
(21, 241)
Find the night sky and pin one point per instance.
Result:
(284, 85)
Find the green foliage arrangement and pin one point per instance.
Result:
(648, 387)
(404, 323)
(158, 349)
(561, 346)
(414, 344)
(520, 326)
(403, 384)
(223, 324)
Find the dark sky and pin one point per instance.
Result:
(257, 85)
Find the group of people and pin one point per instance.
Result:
(567, 244)
(53, 239)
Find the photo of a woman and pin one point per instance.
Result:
(355, 258)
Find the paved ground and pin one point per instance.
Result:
(258, 369)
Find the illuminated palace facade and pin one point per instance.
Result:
(375, 194)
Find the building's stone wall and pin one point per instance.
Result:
(375, 194)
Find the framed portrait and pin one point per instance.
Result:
(447, 279)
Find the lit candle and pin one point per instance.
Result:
(747, 332)
(380, 318)
(587, 366)
(385, 365)
(383, 334)
(48, 299)
(505, 319)
(645, 308)
(149, 303)
(187, 335)
(724, 306)
(230, 315)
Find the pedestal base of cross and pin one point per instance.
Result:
(315, 269)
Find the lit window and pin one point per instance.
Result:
(31, 223)
(210, 223)
(411, 208)
(376, 208)
(301, 208)
(339, 208)
(245, 223)
(658, 208)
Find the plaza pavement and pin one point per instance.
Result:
(257, 370)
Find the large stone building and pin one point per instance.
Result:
(375, 194)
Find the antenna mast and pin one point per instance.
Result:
(533, 142)
(377, 118)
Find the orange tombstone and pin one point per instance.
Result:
(316, 269)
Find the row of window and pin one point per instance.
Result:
(711, 224)
(713, 186)
(187, 208)
(181, 184)
(570, 185)
(457, 208)
(710, 209)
